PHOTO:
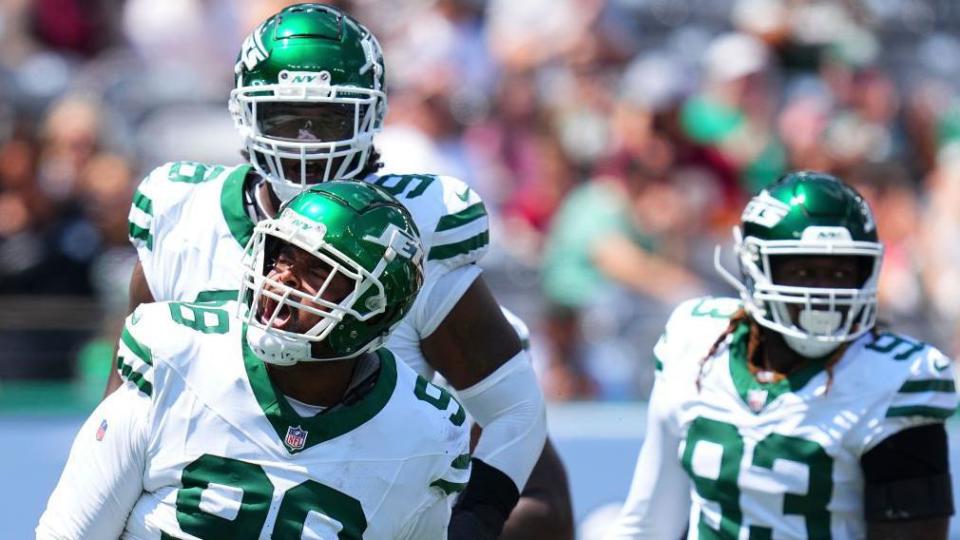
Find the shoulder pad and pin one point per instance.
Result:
(158, 334)
(135, 352)
(692, 329)
(926, 386)
(164, 188)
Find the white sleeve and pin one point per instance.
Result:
(658, 504)
(103, 477)
(509, 406)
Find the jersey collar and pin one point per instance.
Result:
(328, 424)
(755, 394)
(233, 208)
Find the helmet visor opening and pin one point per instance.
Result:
(306, 121)
(821, 271)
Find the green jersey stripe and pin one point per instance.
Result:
(461, 462)
(141, 351)
(139, 233)
(233, 208)
(471, 213)
(143, 202)
(447, 251)
(919, 410)
(928, 385)
(127, 372)
(448, 487)
(657, 363)
(217, 296)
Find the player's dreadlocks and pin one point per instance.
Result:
(753, 344)
(740, 316)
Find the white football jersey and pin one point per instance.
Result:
(189, 224)
(227, 456)
(782, 459)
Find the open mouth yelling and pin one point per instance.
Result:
(285, 318)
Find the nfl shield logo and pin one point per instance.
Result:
(756, 399)
(102, 430)
(295, 438)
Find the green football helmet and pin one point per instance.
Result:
(310, 95)
(357, 230)
(807, 214)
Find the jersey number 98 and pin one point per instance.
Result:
(209, 480)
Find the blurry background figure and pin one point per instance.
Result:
(609, 260)
(614, 142)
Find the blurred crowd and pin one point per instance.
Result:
(614, 141)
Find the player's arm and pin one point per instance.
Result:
(480, 355)
(659, 498)
(103, 477)
(139, 294)
(622, 260)
(544, 509)
(907, 487)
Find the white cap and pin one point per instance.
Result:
(734, 55)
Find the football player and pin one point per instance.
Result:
(270, 421)
(786, 413)
(309, 98)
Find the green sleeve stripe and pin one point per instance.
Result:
(452, 221)
(928, 385)
(143, 202)
(920, 410)
(462, 462)
(141, 351)
(447, 251)
(657, 363)
(448, 487)
(217, 296)
(139, 233)
(127, 372)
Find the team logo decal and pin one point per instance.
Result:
(296, 438)
(397, 242)
(765, 210)
(304, 78)
(252, 52)
(868, 223)
(756, 399)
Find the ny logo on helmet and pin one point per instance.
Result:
(765, 210)
(308, 78)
